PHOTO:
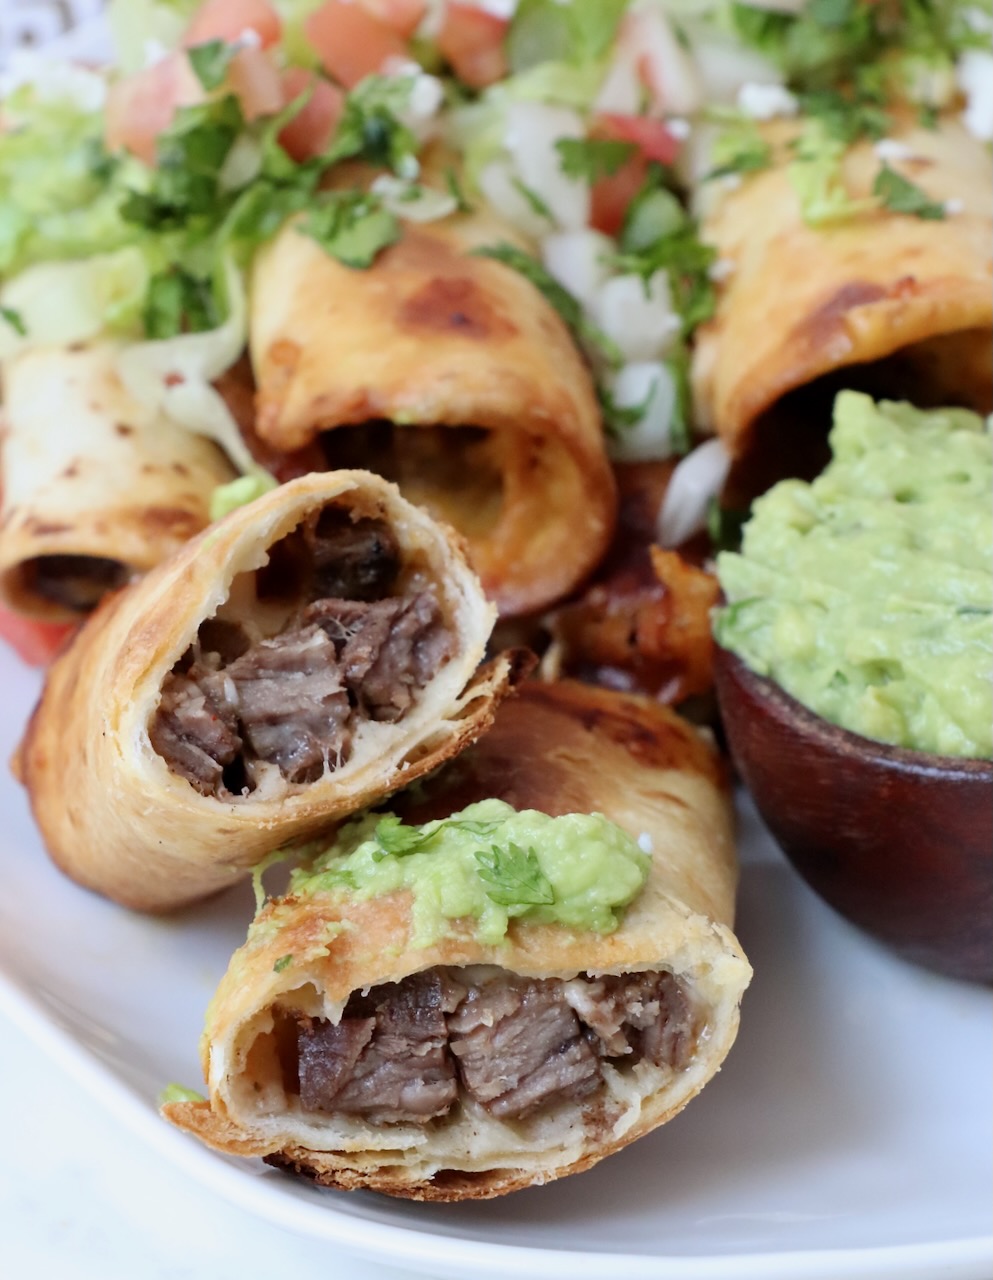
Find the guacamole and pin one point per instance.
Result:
(868, 594)
(490, 862)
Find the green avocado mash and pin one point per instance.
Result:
(868, 594)
(488, 861)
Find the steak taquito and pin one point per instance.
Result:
(885, 302)
(451, 375)
(525, 967)
(311, 653)
(95, 487)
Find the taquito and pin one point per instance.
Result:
(439, 1024)
(307, 655)
(95, 487)
(451, 375)
(886, 302)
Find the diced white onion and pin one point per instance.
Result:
(496, 182)
(669, 71)
(725, 67)
(892, 149)
(696, 481)
(620, 91)
(765, 101)
(975, 78)
(242, 164)
(533, 129)
(641, 321)
(577, 260)
(649, 439)
(413, 203)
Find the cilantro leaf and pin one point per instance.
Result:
(178, 302)
(210, 62)
(352, 226)
(592, 339)
(534, 201)
(456, 191)
(394, 837)
(590, 159)
(282, 963)
(903, 196)
(371, 129)
(15, 320)
(513, 876)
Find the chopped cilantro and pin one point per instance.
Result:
(15, 320)
(513, 876)
(352, 226)
(178, 302)
(210, 62)
(590, 159)
(534, 201)
(370, 127)
(899, 194)
(681, 424)
(456, 191)
(394, 837)
(725, 525)
(282, 963)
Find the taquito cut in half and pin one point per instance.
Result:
(451, 375)
(301, 659)
(531, 969)
(885, 302)
(95, 487)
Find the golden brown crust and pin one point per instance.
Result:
(560, 748)
(87, 471)
(430, 336)
(858, 292)
(111, 812)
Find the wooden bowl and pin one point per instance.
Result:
(898, 842)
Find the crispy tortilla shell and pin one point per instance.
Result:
(558, 748)
(451, 375)
(118, 819)
(891, 303)
(95, 488)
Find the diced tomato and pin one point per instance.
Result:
(651, 137)
(229, 19)
(35, 642)
(310, 130)
(611, 196)
(350, 43)
(404, 16)
(140, 106)
(471, 40)
(256, 82)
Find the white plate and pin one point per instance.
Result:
(848, 1134)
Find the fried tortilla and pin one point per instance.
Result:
(311, 653)
(344, 1046)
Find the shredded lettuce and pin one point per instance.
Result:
(137, 26)
(239, 493)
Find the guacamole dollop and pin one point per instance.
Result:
(868, 593)
(490, 862)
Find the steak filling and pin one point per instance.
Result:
(350, 651)
(517, 1046)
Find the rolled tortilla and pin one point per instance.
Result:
(537, 1055)
(309, 654)
(451, 375)
(95, 488)
(894, 304)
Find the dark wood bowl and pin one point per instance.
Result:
(898, 842)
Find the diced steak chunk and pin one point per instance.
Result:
(520, 1047)
(293, 707)
(293, 700)
(402, 1069)
(515, 1045)
(195, 729)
